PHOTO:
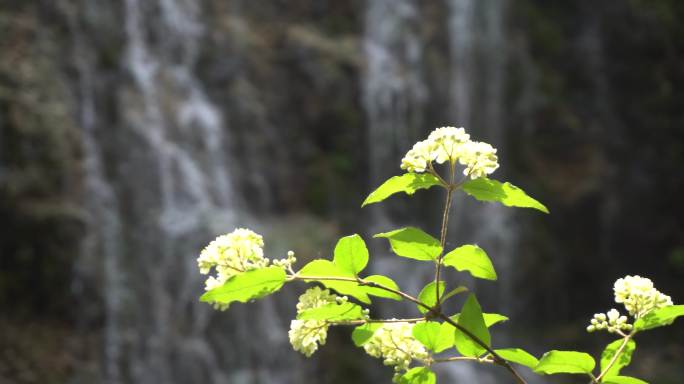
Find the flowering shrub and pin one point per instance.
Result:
(413, 346)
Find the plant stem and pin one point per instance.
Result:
(443, 231)
(613, 360)
(462, 358)
(371, 321)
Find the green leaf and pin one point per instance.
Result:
(385, 281)
(434, 336)
(622, 380)
(326, 268)
(518, 356)
(428, 295)
(413, 243)
(622, 361)
(247, 286)
(351, 254)
(485, 189)
(565, 362)
(473, 259)
(333, 312)
(363, 333)
(489, 318)
(408, 183)
(418, 375)
(659, 317)
(455, 291)
(471, 319)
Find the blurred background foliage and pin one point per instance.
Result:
(591, 123)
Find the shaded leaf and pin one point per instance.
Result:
(454, 292)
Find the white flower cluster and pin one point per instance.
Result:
(452, 144)
(611, 321)
(230, 254)
(639, 297)
(306, 335)
(394, 342)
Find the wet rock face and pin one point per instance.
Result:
(40, 178)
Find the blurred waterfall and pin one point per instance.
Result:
(158, 189)
(478, 56)
(395, 95)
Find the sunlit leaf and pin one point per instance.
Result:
(363, 333)
(379, 292)
(659, 317)
(247, 286)
(485, 189)
(325, 268)
(351, 254)
(623, 380)
(418, 375)
(408, 183)
(622, 361)
(565, 362)
(489, 318)
(333, 312)
(413, 243)
(433, 336)
(471, 319)
(473, 259)
(428, 295)
(518, 356)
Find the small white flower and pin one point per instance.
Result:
(395, 344)
(306, 335)
(418, 158)
(611, 321)
(448, 143)
(479, 159)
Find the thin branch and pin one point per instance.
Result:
(443, 232)
(615, 357)
(497, 359)
(462, 358)
(372, 321)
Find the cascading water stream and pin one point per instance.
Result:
(394, 94)
(394, 98)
